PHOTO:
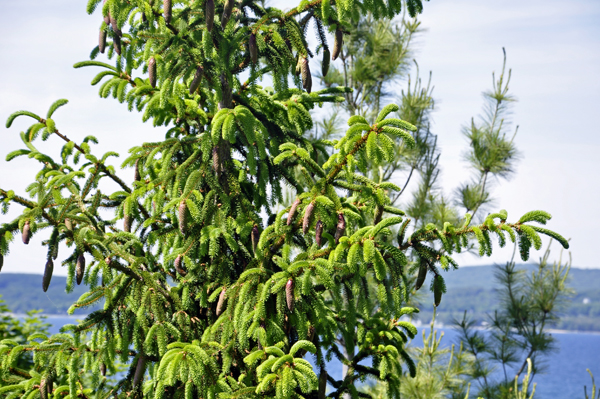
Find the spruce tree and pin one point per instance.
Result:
(207, 291)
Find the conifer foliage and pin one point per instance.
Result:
(204, 296)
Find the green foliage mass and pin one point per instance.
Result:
(253, 292)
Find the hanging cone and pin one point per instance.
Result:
(117, 44)
(167, 11)
(255, 237)
(80, 269)
(337, 44)
(197, 79)
(102, 41)
(319, 233)
(115, 26)
(139, 370)
(289, 294)
(26, 234)
(178, 266)
(152, 71)
(227, 9)
(306, 77)
(103, 369)
(252, 46)
(341, 228)
(326, 62)
(292, 212)
(209, 13)
(307, 215)
(182, 217)
(221, 301)
(437, 291)
(421, 276)
(1, 261)
(47, 275)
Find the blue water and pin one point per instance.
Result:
(564, 379)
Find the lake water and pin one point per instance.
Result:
(565, 377)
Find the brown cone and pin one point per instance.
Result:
(337, 44)
(289, 294)
(255, 238)
(178, 266)
(102, 41)
(292, 212)
(182, 217)
(117, 44)
(319, 233)
(307, 215)
(252, 46)
(227, 9)
(152, 71)
(139, 370)
(80, 269)
(47, 275)
(209, 13)
(306, 77)
(197, 79)
(221, 301)
(26, 235)
(103, 369)
(115, 26)
(326, 61)
(167, 11)
(341, 228)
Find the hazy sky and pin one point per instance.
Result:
(553, 49)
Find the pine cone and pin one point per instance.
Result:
(47, 275)
(337, 44)
(26, 235)
(117, 44)
(115, 26)
(221, 301)
(43, 389)
(178, 266)
(152, 71)
(1, 261)
(103, 369)
(68, 224)
(307, 215)
(209, 13)
(167, 11)
(298, 70)
(197, 79)
(252, 46)
(421, 276)
(326, 62)
(341, 228)
(182, 217)
(306, 77)
(80, 269)
(289, 294)
(318, 233)
(437, 291)
(227, 9)
(292, 212)
(139, 370)
(255, 237)
(102, 41)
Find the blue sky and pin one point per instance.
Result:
(553, 49)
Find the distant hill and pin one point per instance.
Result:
(473, 289)
(469, 288)
(23, 292)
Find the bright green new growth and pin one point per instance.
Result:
(195, 282)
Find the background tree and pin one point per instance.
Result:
(207, 291)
